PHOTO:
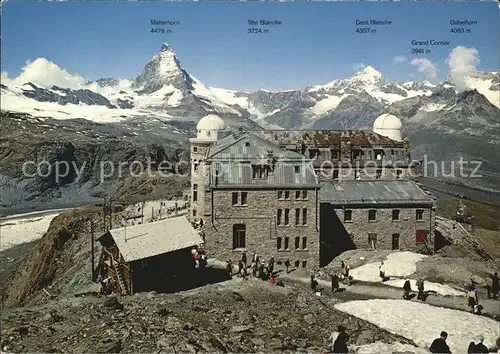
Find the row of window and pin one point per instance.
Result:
(378, 174)
(420, 238)
(299, 195)
(372, 215)
(335, 154)
(283, 217)
(283, 243)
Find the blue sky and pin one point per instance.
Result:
(316, 43)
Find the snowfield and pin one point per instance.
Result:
(422, 323)
(381, 347)
(15, 230)
(399, 264)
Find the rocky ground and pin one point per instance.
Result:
(234, 316)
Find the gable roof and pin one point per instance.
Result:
(155, 238)
(252, 148)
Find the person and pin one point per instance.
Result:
(287, 266)
(382, 271)
(479, 347)
(489, 286)
(229, 268)
(240, 268)
(314, 283)
(335, 283)
(406, 290)
(471, 348)
(272, 281)
(270, 265)
(340, 344)
(420, 288)
(439, 344)
(472, 300)
(244, 258)
(495, 286)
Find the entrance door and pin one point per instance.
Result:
(395, 241)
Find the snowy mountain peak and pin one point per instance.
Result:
(165, 47)
(368, 72)
(163, 69)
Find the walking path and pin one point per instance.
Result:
(364, 291)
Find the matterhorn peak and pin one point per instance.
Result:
(163, 69)
(165, 47)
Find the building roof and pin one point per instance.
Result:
(155, 238)
(373, 192)
(229, 174)
(251, 148)
(329, 138)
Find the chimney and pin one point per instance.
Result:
(345, 148)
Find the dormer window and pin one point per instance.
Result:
(297, 169)
(260, 171)
(247, 144)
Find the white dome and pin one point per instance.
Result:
(211, 122)
(387, 121)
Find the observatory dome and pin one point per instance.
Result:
(388, 125)
(209, 126)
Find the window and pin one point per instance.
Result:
(420, 236)
(297, 194)
(287, 194)
(335, 174)
(357, 155)
(335, 154)
(297, 216)
(236, 200)
(398, 173)
(379, 174)
(395, 215)
(297, 243)
(297, 264)
(280, 194)
(392, 151)
(278, 219)
(287, 217)
(304, 243)
(239, 235)
(304, 194)
(304, 216)
(279, 241)
(297, 169)
(195, 192)
(395, 241)
(195, 149)
(247, 144)
(372, 215)
(195, 165)
(194, 212)
(259, 171)
(372, 240)
(419, 214)
(304, 264)
(287, 243)
(347, 215)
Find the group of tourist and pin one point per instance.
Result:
(258, 268)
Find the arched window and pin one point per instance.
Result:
(239, 236)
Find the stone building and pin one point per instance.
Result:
(395, 215)
(287, 193)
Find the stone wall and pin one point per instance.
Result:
(384, 227)
(262, 231)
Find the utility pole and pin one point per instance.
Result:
(92, 248)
